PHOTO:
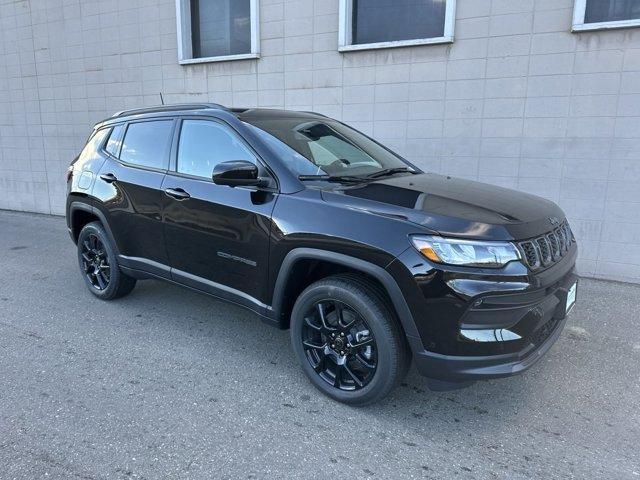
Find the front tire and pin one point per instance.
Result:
(348, 340)
(99, 264)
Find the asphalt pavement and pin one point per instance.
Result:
(170, 384)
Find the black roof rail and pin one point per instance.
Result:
(170, 108)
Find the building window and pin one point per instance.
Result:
(217, 30)
(367, 24)
(604, 14)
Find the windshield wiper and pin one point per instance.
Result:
(333, 178)
(357, 179)
(390, 171)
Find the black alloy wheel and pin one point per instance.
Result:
(339, 345)
(95, 262)
(98, 264)
(348, 339)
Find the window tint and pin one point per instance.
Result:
(204, 144)
(115, 140)
(327, 146)
(292, 159)
(377, 21)
(611, 10)
(94, 142)
(220, 27)
(146, 143)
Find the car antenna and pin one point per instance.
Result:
(161, 99)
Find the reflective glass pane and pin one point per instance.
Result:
(611, 10)
(220, 27)
(115, 139)
(204, 144)
(391, 20)
(93, 144)
(328, 146)
(146, 143)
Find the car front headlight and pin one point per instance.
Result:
(467, 253)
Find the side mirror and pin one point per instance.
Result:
(237, 173)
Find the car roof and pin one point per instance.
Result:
(246, 114)
(267, 113)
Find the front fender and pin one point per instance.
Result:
(375, 271)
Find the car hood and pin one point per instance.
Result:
(451, 206)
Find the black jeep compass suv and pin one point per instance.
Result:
(369, 261)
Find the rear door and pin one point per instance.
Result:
(217, 236)
(128, 191)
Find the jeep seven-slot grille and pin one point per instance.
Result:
(547, 249)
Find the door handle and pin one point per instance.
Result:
(177, 193)
(108, 177)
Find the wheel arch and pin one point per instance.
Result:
(80, 214)
(293, 269)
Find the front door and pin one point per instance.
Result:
(217, 236)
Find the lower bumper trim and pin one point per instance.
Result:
(449, 368)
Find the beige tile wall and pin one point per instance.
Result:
(517, 100)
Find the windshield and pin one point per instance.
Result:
(324, 147)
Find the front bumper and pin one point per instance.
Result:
(446, 304)
(452, 368)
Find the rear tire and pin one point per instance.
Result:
(99, 264)
(348, 340)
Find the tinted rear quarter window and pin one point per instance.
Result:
(93, 144)
(147, 144)
(115, 140)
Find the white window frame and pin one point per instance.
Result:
(345, 30)
(579, 12)
(185, 44)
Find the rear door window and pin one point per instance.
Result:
(147, 144)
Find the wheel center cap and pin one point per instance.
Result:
(339, 343)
